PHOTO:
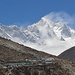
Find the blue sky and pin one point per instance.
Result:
(25, 12)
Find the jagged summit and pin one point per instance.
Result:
(53, 37)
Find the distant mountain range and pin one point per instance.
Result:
(45, 35)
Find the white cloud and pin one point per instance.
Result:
(62, 17)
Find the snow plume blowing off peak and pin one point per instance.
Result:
(51, 34)
(62, 17)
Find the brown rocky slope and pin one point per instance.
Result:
(13, 51)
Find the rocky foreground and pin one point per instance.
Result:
(48, 69)
(61, 67)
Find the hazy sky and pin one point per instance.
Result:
(25, 12)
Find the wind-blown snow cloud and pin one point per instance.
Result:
(62, 17)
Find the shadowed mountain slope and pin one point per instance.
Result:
(68, 54)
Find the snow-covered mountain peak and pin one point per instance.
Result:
(59, 28)
(47, 22)
(46, 35)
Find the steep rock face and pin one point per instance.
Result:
(68, 54)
